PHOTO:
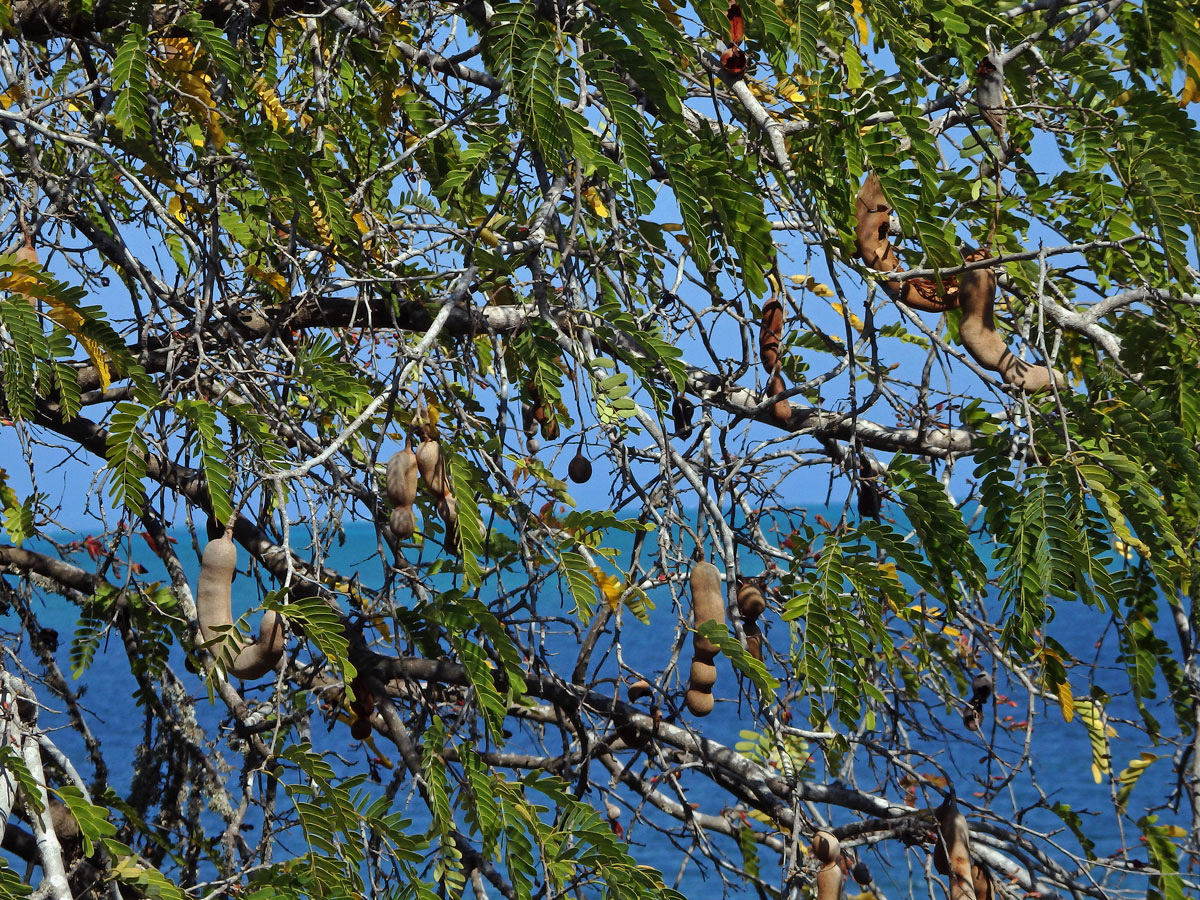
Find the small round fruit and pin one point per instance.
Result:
(580, 469)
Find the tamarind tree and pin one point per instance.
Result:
(882, 312)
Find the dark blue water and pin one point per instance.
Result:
(1062, 755)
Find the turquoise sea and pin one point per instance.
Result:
(1061, 760)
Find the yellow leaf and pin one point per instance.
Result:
(1091, 714)
(269, 277)
(595, 202)
(1066, 700)
(822, 290)
(860, 22)
(12, 95)
(272, 106)
(175, 207)
(1191, 86)
(71, 320)
(609, 587)
(1175, 831)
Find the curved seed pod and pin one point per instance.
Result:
(977, 292)
(214, 610)
(769, 335)
(826, 847)
(872, 220)
(707, 603)
(26, 253)
(639, 689)
(403, 522)
(699, 703)
(954, 840)
(432, 467)
(401, 478)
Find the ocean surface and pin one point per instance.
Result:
(1062, 754)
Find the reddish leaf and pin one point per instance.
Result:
(93, 546)
(737, 25)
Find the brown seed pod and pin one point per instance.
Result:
(981, 688)
(432, 468)
(214, 611)
(707, 604)
(954, 844)
(981, 877)
(403, 522)
(401, 478)
(579, 469)
(550, 427)
(360, 729)
(25, 253)
(861, 873)
(682, 410)
(826, 847)
(754, 640)
(769, 335)
(872, 220)
(977, 293)
(829, 882)
(750, 600)
(702, 675)
(700, 703)
(639, 689)
(633, 735)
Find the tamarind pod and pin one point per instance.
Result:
(682, 410)
(528, 423)
(955, 838)
(972, 717)
(754, 640)
(261, 657)
(699, 703)
(432, 467)
(403, 522)
(579, 470)
(861, 873)
(977, 294)
(981, 688)
(702, 675)
(981, 878)
(214, 611)
(871, 223)
(826, 847)
(769, 334)
(750, 601)
(707, 603)
(639, 689)
(26, 253)
(401, 478)
(214, 587)
(829, 882)
(360, 729)
(989, 94)
(448, 509)
(550, 427)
